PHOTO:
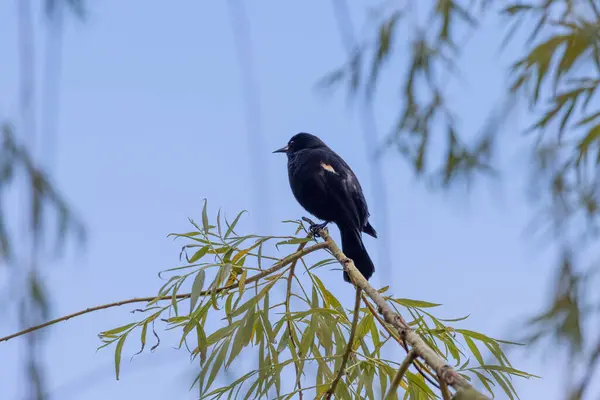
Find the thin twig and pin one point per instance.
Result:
(412, 338)
(349, 346)
(444, 389)
(290, 325)
(284, 261)
(410, 357)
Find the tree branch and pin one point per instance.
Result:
(418, 365)
(444, 389)
(445, 372)
(278, 265)
(340, 373)
(410, 357)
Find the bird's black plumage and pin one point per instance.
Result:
(326, 187)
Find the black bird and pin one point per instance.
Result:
(327, 188)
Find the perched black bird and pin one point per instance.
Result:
(327, 188)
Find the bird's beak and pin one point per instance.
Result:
(282, 150)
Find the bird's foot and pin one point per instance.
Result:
(316, 228)
(313, 227)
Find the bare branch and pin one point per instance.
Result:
(410, 357)
(340, 373)
(278, 265)
(412, 338)
(444, 389)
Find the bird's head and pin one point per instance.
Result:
(301, 141)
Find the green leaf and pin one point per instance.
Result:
(115, 331)
(307, 340)
(219, 223)
(364, 326)
(242, 282)
(415, 303)
(475, 335)
(474, 349)
(516, 8)
(485, 381)
(218, 363)
(205, 217)
(506, 386)
(221, 333)
(202, 342)
(197, 289)
(235, 221)
(118, 350)
(199, 254)
(328, 298)
(253, 301)
(242, 338)
(295, 241)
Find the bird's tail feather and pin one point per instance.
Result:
(353, 248)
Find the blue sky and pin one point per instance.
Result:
(152, 121)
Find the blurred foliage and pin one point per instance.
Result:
(232, 309)
(557, 76)
(15, 163)
(17, 167)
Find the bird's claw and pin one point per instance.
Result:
(316, 228)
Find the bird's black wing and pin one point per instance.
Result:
(352, 187)
(339, 182)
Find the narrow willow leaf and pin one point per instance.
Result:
(205, 217)
(307, 341)
(485, 381)
(252, 389)
(197, 287)
(178, 319)
(202, 342)
(384, 289)
(295, 241)
(219, 223)
(199, 254)
(474, 349)
(242, 336)
(221, 333)
(234, 223)
(229, 305)
(239, 255)
(417, 381)
(218, 363)
(369, 375)
(475, 335)
(328, 298)
(506, 386)
(244, 307)
(364, 326)
(174, 296)
(415, 303)
(382, 381)
(143, 336)
(315, 298)
(508, 370)
(115, 331)
(118, 351)
(242, 283)
(165, 288)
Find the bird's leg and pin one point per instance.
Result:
(315, 228)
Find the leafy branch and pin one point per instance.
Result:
(331, 351)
